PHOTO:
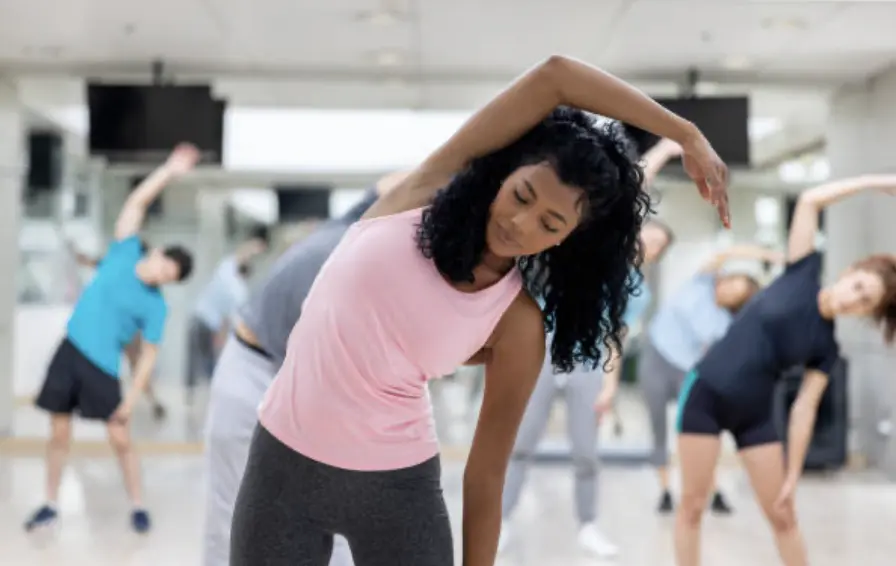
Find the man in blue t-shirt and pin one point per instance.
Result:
(122, 299)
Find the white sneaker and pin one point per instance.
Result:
(504, 537)
(593, 540)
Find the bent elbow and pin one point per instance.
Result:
(552, 70)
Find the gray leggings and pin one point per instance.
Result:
(660, 383)
(289, 507)
(580, 390)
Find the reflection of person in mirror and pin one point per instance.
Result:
(216, 305)
(123, 298)
(132, 350)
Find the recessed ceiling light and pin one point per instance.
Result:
(785, 24)
(379, 18)
(737, 62)
(388, 58)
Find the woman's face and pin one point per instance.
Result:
(654, 241)
(532, 211)
(733, 291)
(857, 292)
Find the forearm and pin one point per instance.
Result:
(481, 519)
(745, 251)
(799, 434)
(586, 87)
(655, 159)
(611, 377)
(143, 371)
(142, 375)
(825, 195)
(151, 187)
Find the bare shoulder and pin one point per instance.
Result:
(415, 190)
(521, 328)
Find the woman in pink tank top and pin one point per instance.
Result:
(526, 220)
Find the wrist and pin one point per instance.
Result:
(686, 133)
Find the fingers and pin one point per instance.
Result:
(724, 213)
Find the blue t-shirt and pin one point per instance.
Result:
(114, 306)
(689, 323)
(637, 304)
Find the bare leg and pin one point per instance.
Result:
(699, 454)
(57, 453)
(120, 439)
(766, 468)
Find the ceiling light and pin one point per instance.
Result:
(785, 24)
(388, 58)
(737, 62)
(379, 18)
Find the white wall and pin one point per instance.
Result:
(699, 233)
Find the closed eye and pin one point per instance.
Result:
(519, 198)
(548, 227)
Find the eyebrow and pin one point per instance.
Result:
(550, 211)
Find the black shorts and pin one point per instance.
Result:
(74, 383)
(701, 410)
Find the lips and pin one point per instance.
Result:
(504, 236)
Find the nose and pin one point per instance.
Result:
(518, 222)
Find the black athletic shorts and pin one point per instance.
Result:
(75, 384)
(701, 410)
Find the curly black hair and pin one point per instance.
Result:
(583, 284)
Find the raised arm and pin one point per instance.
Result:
(130, 219)
(561, 81)
(657, 157)
(746, 251)
(804, 224)
(512, 364)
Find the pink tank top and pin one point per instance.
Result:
(378, 322)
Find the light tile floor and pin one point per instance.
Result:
(848, 520)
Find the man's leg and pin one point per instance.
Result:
(58, 397)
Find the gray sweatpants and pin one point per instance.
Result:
(580, 390)
(241, 378)
(660, 383)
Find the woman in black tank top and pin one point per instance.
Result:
(790, 323)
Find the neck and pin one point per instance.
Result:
(497, 264)
(142, 271)
(824, 305)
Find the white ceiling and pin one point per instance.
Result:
(789, 55)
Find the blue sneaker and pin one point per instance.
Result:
(140, 520)
(43, 517)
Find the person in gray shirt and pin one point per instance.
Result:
(248, 363)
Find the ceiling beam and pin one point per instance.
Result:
(141, 70)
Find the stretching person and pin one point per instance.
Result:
(132, 350)
(585, 391)
(525, 193)
(247, 366)
(681, 331)
(789, 323)
(123, 297)
(218, 302)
